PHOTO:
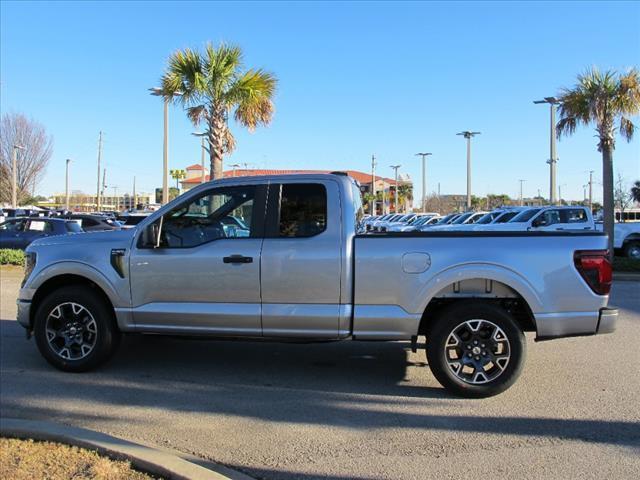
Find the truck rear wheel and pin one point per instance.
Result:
(475, 349)
(75, 330)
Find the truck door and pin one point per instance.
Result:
(204, 275)
(301, 260)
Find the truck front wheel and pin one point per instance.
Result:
(475, 349)
(74, 329)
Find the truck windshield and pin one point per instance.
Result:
(524, 216)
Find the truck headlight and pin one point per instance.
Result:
(29, 265)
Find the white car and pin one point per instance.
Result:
(406, 220)
(463, 222)
(500, 215)
(545, 219)
(446, 220)
(626, 237)
(419, 221)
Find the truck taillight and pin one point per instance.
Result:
(595, 268)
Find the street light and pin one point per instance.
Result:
(591, 190)
(158, 92)
(14, 175)
(424, 179)
(396, 167)
(560, 193)
(468, 135)
(553, 159)
(234, 166)
(521, 197)
(66, 186)
(201, 135)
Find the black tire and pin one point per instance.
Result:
(105, 336)
(632, 249)
(500, 375)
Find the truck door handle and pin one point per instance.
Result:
(237, 259)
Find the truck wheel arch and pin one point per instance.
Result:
(482, 283)
(62, 280)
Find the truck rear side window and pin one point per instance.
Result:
(577, 215)
(303, 210)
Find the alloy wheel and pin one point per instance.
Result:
(477, 351)
(71, 331)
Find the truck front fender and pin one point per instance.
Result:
(77, 269)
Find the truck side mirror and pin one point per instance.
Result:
(150, 235)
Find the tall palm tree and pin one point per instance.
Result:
(608, 100)
(405, 194)
(635, 191)
(213, 85)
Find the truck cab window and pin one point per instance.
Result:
(578, 215)
(216, 214)
(303, 210)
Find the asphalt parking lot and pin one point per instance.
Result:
(347, 410)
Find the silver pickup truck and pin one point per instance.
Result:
(281, 257)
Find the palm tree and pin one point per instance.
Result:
(608, 100)
(405, 194)
(211, 86)
(369, 202)
(635, 191)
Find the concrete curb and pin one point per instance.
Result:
(626, 277)
(156, 462)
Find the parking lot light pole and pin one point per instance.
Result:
(373, 185)
(66, 185)
(424, 179)
(201, 135)
(521, 197)
(591, 190)
(157, 91)
(395, 196)
(553, 159)
(468, 135)
(14, 176)
(560, 193)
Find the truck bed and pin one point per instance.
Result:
(397, 276)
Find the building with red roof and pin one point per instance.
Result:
(194, 177)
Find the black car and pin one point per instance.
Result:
(20, 232)
(94, 223)
(131, 220)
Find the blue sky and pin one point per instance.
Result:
(355, 79)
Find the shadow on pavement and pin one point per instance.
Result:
(351, 385)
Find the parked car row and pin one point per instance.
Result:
(20, 232)
(21, 226)
(507, 218)
(24, 227)
(514, 219)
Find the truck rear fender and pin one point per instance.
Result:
(481, 281)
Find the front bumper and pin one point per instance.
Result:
(607, 320)
(24, 313)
